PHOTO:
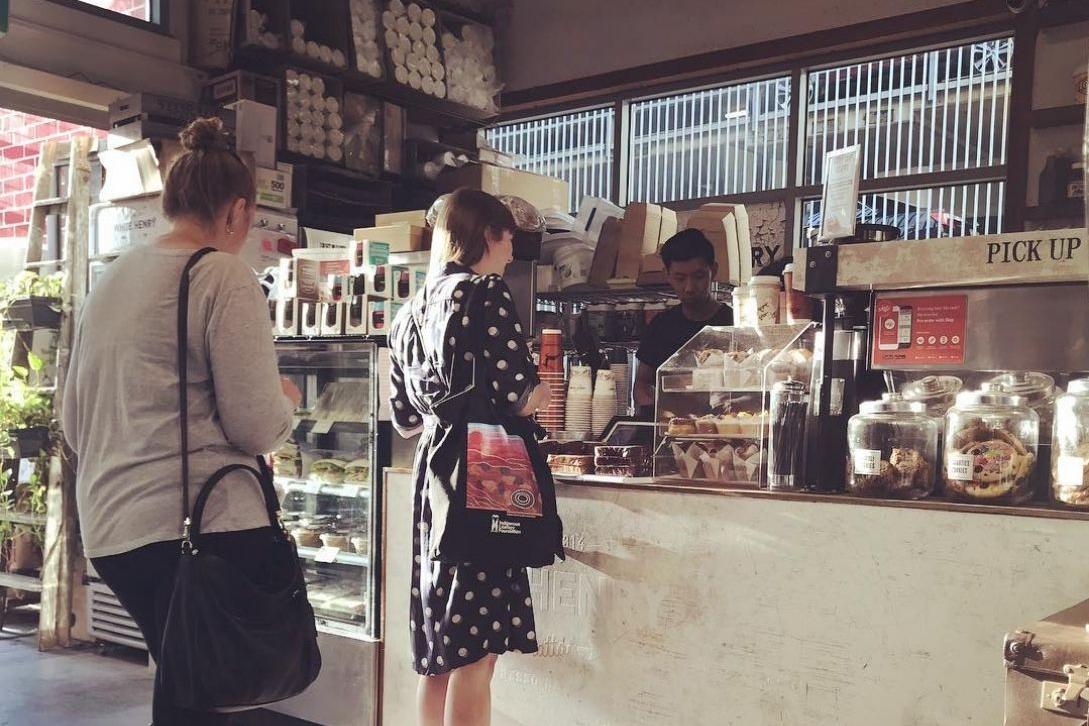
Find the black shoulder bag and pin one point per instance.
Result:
(228, 643)
(492, 496)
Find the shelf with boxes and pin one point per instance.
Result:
(356, 289)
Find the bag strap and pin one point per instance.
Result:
(183, 377)
(191, 523)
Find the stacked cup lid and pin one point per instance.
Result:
(578, 413)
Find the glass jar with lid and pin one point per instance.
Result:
(1070, 446)
(991, 445)
(1038, 390)
(892, 449)
(937, 393)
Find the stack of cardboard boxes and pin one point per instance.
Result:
(352, 290)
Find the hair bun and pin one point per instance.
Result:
(204, 134)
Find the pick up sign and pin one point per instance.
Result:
(1052, 256)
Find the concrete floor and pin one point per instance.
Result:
(88, 686)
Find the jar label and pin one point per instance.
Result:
(1071, 471)
(867, 462)
(960, 467)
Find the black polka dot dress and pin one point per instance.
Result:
(459, 612)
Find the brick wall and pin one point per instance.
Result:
(21, 135)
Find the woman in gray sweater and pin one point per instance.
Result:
(121, 396)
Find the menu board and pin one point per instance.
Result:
(923, 331)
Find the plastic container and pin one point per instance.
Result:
(892, 449)
(1070, 446)
(789, 405)
(991, 447)
(741, 306)
(764, 296)
(572, 265)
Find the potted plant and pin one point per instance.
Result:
(31, 301)
(21, 544)
(26, 412)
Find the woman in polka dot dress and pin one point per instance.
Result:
(462, 616)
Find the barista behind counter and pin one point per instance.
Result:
(689, 259)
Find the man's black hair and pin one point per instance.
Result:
(688, 244)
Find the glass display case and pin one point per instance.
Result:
(327, 475)
(713, 397)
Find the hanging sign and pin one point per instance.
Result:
(839, 202)
(4, 8)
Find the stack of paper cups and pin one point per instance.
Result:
(578, 416)
(604, 402)
(551, 372)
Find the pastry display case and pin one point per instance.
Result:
(326, 475)
(713, 397)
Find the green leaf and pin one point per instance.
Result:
(20, 371)
(35, 361)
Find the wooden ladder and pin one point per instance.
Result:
(56, 584)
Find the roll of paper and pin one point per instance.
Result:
(298, 46)
(414, 12)
(427, 17)
(298, 28)
(415, 80)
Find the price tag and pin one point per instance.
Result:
(959, 467)
(867, 462)
(313, 487)
(1071, 471)
(327, 555)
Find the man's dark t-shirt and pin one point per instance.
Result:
(670, 330)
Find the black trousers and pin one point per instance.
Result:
(143, 580)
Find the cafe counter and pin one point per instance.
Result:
(715, 606)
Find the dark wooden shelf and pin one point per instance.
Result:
(420, 106)
(1045, 118)
(1062, 210)
(656, 293)
(1064, 12)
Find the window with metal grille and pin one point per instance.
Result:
(950, 211)
(940, 112)
(708, 143)
(575, 147)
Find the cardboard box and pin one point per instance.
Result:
(593, 212)
(355, 316)
(542, 192)
(407, 279)
(287, 317)
(400, 237)
(370, 259)
(306, 274)
(256, 131)
(644, 229)
(309, 317)
(653, 271)
(274, 186)
(727, 226)
(332, 318)
(416, 217)
(241, 86)
(603, 266)
(379, 316)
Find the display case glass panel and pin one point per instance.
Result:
(713, 396)
(326, 475)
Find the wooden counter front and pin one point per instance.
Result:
(676, 608)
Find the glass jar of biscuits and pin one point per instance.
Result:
(991, 447)
(1070, 446)
(892, 449)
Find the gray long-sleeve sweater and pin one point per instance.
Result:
(121, 398)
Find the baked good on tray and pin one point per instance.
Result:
(681, 426)
(571, 464)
